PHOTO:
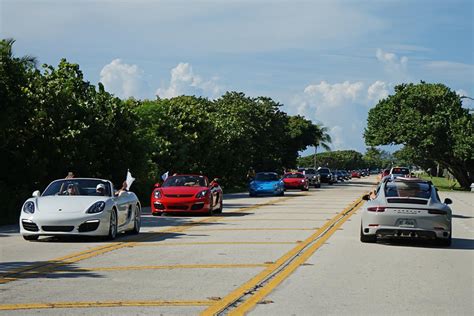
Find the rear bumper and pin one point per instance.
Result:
(404, 232)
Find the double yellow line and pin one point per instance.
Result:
(53, 264)
(257, 285)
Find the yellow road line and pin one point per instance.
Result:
(6, 307)
(287, 271)
(205, 243)
(167, 267)
(278, 219)
(15, 274)
(237, 293)
(247, 229)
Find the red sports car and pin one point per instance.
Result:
(355, 174)
(295, 180)
(187, 193)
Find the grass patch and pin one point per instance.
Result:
(443, 184)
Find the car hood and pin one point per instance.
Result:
(183, 190)
(67, 204)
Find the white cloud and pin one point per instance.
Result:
(377, 91)
(393, 65)
(342, 107)
(334, 95)
(122, 79)
(185, 81)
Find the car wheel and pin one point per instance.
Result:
(367, 238)
(30, 237)
(305, 189)
(252, 194)
(221, 206)
(137, 220)
(112, 225)
(317, 185)
(445, 242)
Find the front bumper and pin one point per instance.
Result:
(180, 205)
(85, 225)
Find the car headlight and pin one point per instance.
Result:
(29, 207)
(201, 194)
(157, 194)
(97, 207)
(302, 181)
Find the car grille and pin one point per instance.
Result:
(196, 207)
(64, 229)
(88, 227)
(178, 195)
(159, 206)
(408, 201)
(178, 207)
(29, 226)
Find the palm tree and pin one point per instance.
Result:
(322, 139)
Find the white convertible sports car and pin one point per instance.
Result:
(80, 206)
(406, 208)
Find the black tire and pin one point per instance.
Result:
(30, 237)
(330, 183)
(137, 221)
(282, 193)
(221, 206)
(113, 226)
(305, 189)
(445, 242)
(367, 238)
(317, 185)
(252, 195)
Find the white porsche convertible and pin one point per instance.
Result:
(80, 206)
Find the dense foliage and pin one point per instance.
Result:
(429, 120)
(53, 121)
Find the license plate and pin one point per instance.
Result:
(409, 223)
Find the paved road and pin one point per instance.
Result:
(301, 252)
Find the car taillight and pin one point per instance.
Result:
(376, 209)
(438, 212)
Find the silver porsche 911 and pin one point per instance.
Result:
(80, 206)
(406, 208)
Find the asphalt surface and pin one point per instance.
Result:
(293, 255)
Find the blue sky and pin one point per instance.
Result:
(330, 61)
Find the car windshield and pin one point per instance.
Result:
(323, 171)
(266, 177)
(293, 175)
(185, 181)
(310, 171)
(408, 189)
(403, 171)
(84, 187)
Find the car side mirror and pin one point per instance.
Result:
(448, 201)
(157, 185)
(37, 193)
(366, 197)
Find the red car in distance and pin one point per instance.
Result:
(355, 174)
(295, 180)
(187, 194)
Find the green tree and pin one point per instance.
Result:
(429, 120)
(323, 139)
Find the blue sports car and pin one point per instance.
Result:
(266, 183)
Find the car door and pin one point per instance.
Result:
(123, 203)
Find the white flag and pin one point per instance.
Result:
(129, 180)
(164, 176)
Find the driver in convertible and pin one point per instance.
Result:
(100, 189)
